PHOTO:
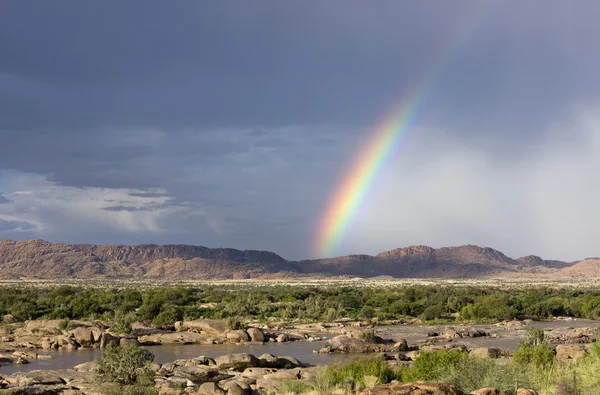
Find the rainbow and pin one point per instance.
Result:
(359, 179)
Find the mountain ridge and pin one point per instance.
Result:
(39, 259)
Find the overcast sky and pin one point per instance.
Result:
(229, 124)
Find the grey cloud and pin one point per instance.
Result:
(123, 208)
(147, 194)
(285, 64)
(3, 199)
(249, 115)
(6, 225)
(151, 207)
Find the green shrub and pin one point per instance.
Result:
(132, 390)
(472, 373)
(65, 325)
(369, 336)
(367, 312)
(293, 387)
(125, 364)
(534, 337)
(235, 324)
(167, 316)
(433, 312)
(432, 365)
(541, 356)
(358, 369)
(120, 323)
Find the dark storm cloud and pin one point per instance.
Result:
(206, 64)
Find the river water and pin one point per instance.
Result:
(303, 351)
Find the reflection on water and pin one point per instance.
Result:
(301, 350)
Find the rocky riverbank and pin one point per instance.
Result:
(244, 373)
(232, 373)
(75, 334)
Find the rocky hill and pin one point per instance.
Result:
(589, 267)
(41, 259)
(38, 259)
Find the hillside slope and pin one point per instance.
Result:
(38, 259)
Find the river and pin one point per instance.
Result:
(303, 351)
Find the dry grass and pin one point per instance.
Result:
(322, 282)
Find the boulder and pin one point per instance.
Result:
(237, 388)
(566, 352)
(178, 325)
(34, 377)
(107, 339)
(282, 338)
(256, 373)
(401, 345)
(199, 374)
(211, 389)
(86, 367)
(239, 335)
(214, 327)
(9, 319)
(347, 344)
(83, 336)
(65, 342)
(48, 344)
(582, 335)
(238, 362)
(267, 361)
(42, 389)
(288, 363)
(256, 334)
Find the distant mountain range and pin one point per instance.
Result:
(38, 259)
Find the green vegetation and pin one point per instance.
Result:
(65, 325)
(126, 364)
(293, 387)
(369, 335)
(235, 324)
(358, 369)
(472, 373)
(162, 306)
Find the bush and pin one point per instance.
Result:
(359, 369)
(541, 356)
(125, 364)
(167, 316)
(432, 365)
(120, 323)
(472, 373)
(65, 325)
(433, 312)
(534, 337)
(370, 336)
(293, 387)
(367, 312)
(235, 324)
